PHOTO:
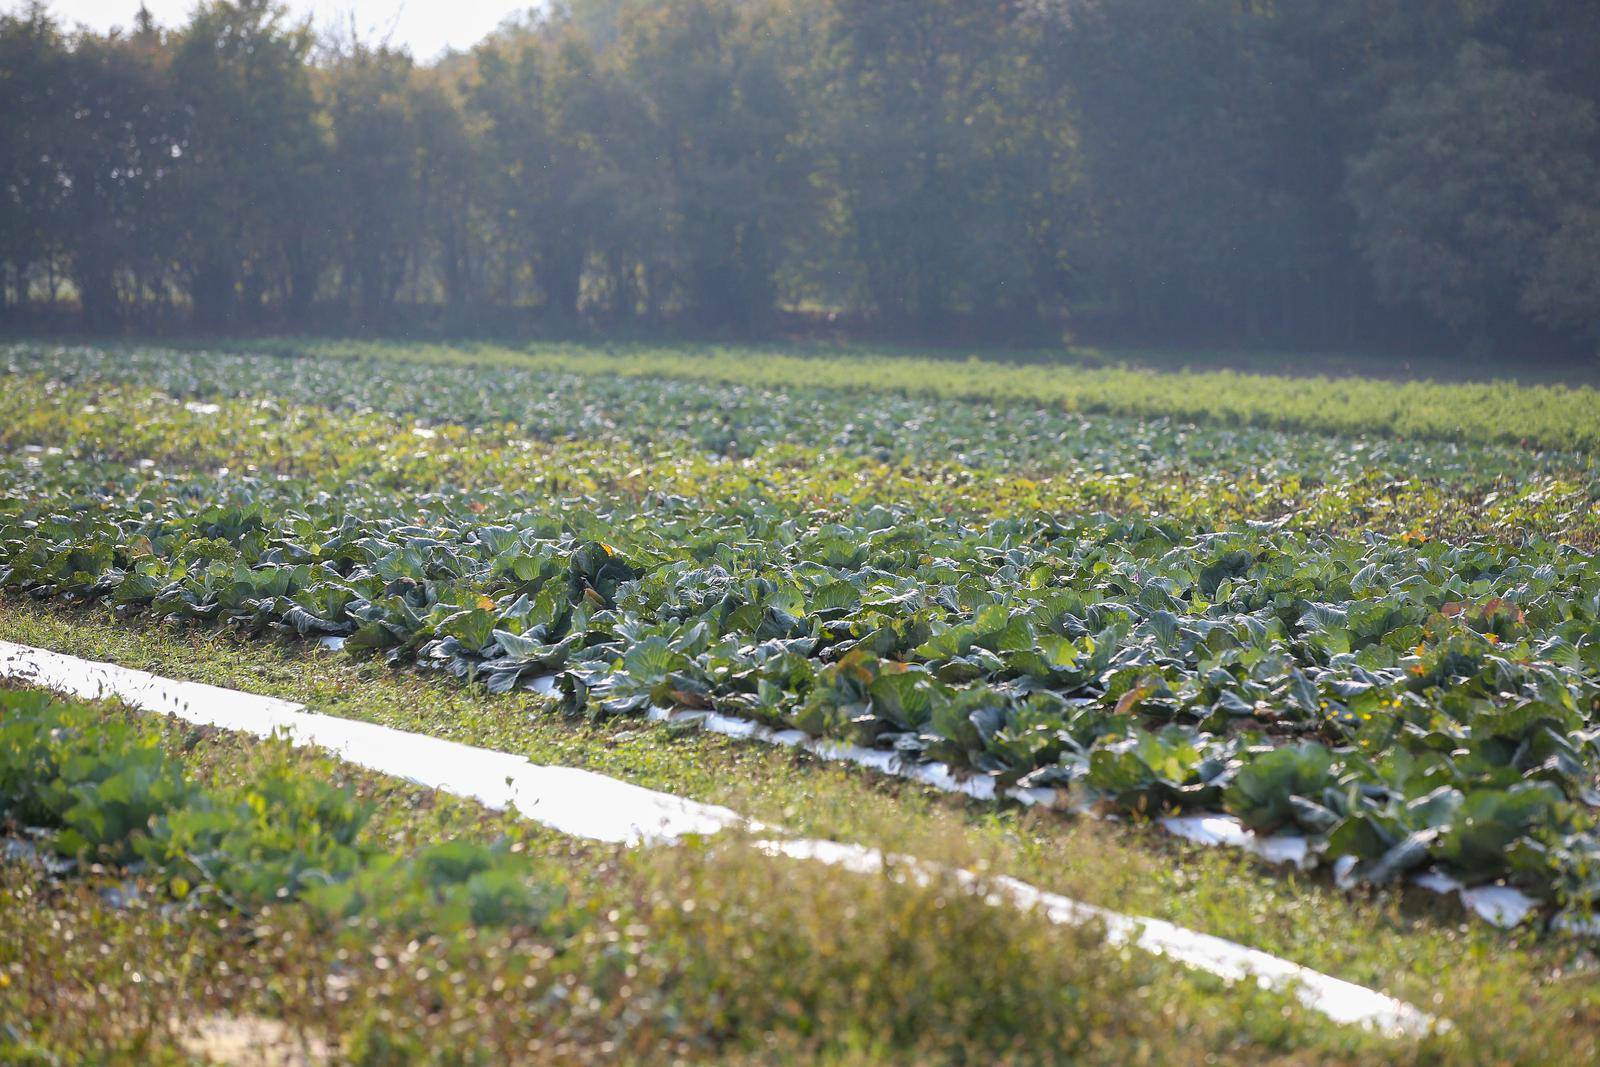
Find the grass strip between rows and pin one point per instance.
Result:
(1514, 994)
(604, 808)
(289, 848)
(1552, 416)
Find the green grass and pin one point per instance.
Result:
(940, 581)
(735, 477)
(1552, 416)
(1512, 994)
(1383, 366)
(708, 949)
(331, 449)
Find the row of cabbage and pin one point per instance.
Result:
(1403, 701)
(739, 421)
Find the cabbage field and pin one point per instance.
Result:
(1360, 614)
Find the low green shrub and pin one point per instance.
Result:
(105, 790)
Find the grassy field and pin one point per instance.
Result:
(1360, 610)
(341, 914)
(1434, 399)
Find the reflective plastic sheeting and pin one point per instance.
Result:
(585, 804)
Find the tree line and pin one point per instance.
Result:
(1205, 171)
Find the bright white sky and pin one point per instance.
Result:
(427, 27)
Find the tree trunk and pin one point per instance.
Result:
(562, 279)
(212, 291)
(97, 297)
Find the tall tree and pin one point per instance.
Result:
(1195, 221)
(35, 119)
(450, 182)
(951, 150)
(115, 163)
(375, 163)
(535, 163)
(254, 176)
(1472, 176)
(723, 121)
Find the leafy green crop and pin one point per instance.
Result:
(1286, 786)
(1502, 411)
(106, 789)
(1392, 647)
(100, 786)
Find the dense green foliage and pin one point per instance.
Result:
(1336, 651)
(109, 791)
(1400, 174)
(1533, 418)
(1517, 996)
(734, 402)
(514, 942)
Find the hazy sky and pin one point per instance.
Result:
(427, 27)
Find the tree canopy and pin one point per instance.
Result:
(1212, 171)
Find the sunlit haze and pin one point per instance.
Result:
(426, 27)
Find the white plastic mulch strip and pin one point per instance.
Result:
(567, 799)
(1218, 829)
(937, 775)
(1504, 906)
(584, 804)
(885, 762)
